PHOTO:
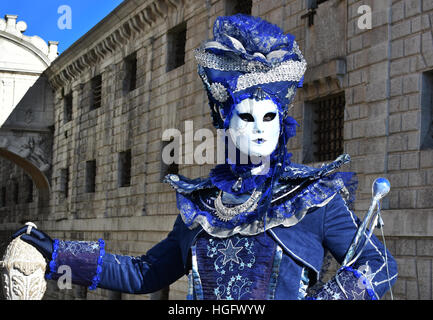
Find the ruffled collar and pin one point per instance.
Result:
(197, 209)
(298, 189)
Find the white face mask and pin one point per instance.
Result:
(255, 127)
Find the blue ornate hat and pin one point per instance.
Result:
(249, 58)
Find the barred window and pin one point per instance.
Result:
(427, 110)
(323, 129)
(312, 6)
(130, 81)
(238, 6)
(90, 175)
(68, 107)
(176, 38)
(124, 173)
(96, 92)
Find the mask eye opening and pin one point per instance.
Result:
(269, 116)
(247, 117)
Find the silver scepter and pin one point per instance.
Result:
(380, 189)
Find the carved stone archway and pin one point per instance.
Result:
(33, 155)
(26, 102)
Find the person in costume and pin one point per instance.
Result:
(259, 225)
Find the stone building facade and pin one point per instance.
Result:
(133, 76)
(26, 122)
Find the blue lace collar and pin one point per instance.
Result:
(299, 189)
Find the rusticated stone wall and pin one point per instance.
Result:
(383, 73)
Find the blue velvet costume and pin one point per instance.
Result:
(275, 251)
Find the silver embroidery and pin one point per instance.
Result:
(287, 71)
(209, 60)
(226, 214)
(219, 92)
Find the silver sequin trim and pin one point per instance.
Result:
(209, 60)
(287, 71)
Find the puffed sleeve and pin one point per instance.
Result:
(91, 266)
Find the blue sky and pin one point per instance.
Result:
(42, 17)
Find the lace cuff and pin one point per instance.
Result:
(84, 260)
(52, 263)
(348, 284)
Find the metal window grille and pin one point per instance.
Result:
(176, 46)
(328, 121)
(125, 168)
(90, 175)
(96, 92)
(239, 6)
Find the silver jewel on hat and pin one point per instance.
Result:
(290, 92)
(219, 92)
(259, 94)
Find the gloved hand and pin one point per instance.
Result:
(37, 238)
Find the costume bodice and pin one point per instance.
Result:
(235, 268)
